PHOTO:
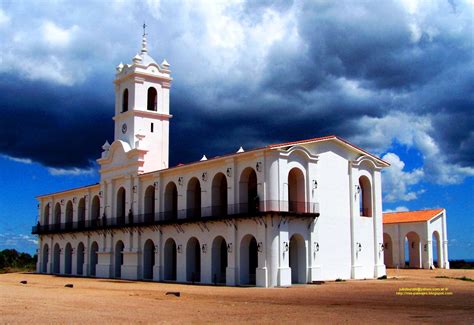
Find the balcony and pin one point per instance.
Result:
(212, 213)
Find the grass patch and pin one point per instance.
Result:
(340, 280)
(16, 269)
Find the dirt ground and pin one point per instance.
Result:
(44, 299)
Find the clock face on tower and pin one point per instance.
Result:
(124, 128)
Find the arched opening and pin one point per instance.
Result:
(193, 260)
(45, 259)
(412, 250)
(248, 260)
(171, 201)
(93, 258)
(193, 195)
(387, 250)
(219, 195)
(152, 99)
(121, 205)
(148, 259)
(119, 247)
(170, 260)
(80, 259)
(248, 196)
(296, 191)
(125, 100)
(149, 203)
(68, 259)
(56, 257)
(57, 215)
(365, 197)
(297, 255)
(46, 214)
(95, 208)
(436, 250)
(81, 212)
(69, 211)
(219, 260)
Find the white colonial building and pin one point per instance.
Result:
(286, 213)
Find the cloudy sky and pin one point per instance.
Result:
(394, 77)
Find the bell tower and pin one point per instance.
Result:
(142, 112)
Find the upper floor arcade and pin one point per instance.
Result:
(284, 179)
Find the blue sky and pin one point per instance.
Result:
(393, 77)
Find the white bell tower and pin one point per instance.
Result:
(142, 114)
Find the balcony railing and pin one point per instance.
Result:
(182, 216)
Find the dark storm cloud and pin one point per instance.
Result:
(54, 125)
(332, 67)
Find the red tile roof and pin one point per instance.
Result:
(410, 216)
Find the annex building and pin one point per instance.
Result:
(286, 213)
(416, 239)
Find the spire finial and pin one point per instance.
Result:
(144, 29)
(144, 49)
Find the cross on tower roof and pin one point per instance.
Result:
(144, 29)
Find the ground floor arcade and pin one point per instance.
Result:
(262, 251)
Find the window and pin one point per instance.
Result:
(152, 99)
(365, 197)
(151, 128)
(125, 101)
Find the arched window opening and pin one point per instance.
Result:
(219, 260)
(149, 204)
(248, 260)
(219, 195)
(57, 215)
(193, 196)
(412, 250)
(69, 211)
(387, 250)
(125, 101)
(120, 212)
(95, 208)
(81, 212)
(56, 257)
(249, 202)
(365, 197)
(193, 260)
(171, 202)
(45, 259)
(170, 260)
(437, 262)
(148, 259)
(80, 259)
(296, 191)
(93, 258)
(119, 247)
(68, 259)
(46, 214)
(152, 99)
(297, 259)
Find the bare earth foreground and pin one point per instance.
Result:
(44, 299)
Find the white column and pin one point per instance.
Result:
(444, 237)
(262, 270)
(283, 255)
(315, 270)
(157, 267)
(377, 216)
(232, 263)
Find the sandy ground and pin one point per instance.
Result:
(44, 299)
